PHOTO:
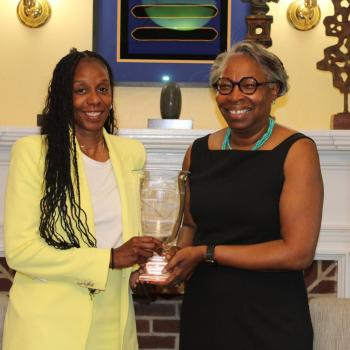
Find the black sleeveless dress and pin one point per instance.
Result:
(235, 200)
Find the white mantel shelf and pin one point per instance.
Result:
(329, 140)
(166, 148)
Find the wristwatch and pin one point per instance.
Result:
(209, 255)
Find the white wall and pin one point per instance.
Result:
(312, 98)
(28, 57)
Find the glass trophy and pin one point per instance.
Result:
(162, 203)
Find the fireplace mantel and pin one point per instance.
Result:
(166, 148)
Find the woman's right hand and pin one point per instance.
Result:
(135, 251)
(183, 263)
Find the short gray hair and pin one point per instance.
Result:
(270, 63)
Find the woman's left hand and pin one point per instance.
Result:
(170, 251)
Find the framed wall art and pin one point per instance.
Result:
(149, 42)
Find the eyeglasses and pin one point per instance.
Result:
(247, 85)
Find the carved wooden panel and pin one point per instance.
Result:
(259, 23)
(336, 57)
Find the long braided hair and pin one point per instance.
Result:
(60, 204)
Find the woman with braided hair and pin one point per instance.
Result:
(72, 219)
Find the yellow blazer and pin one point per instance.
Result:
(50, 307)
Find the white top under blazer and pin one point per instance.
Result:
(105, 202)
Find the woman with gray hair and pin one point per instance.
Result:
(270, 63)
(252, 217)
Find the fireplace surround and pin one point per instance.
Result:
(166, 148)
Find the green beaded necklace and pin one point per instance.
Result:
(227, 145)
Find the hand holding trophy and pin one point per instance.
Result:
(162, 203)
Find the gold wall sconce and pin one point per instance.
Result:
(33, 13)
(304, 14)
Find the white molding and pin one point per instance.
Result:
(335, 233)
(331, 140)
(340, 254)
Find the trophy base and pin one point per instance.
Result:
(153, 270)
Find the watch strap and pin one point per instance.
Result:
(209, 255)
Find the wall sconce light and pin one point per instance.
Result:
(33, 13)
(304, 14)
